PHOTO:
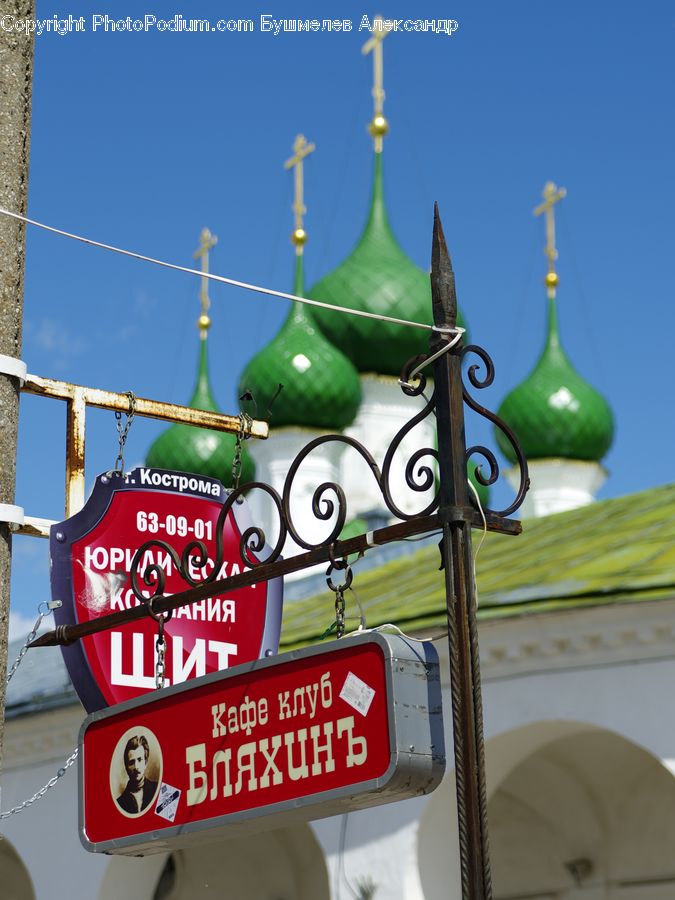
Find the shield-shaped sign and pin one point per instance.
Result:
(91, 558)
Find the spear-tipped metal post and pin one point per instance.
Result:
(457, 562)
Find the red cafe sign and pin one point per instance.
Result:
(91, 556)
(305, 735)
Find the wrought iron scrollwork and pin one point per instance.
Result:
(329, 500)
(418, 478)
(479, 382)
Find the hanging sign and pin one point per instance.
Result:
(302, 736)
(91, 560)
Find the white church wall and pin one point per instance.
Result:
(45, 836)
(132, 878)
(594, 666)
(374, 847)
(547, 679)
(557, 485)
(14, 876)
(287, 864)
(586, 814)
(559, 677)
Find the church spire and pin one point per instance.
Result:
(206, 242)
(301, 149)
(377, 276)
(552, 194)
(321, 388)
(564, 425)
(378, 126)
(185, 448)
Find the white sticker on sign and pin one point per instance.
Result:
(167, 802)
(357, 694)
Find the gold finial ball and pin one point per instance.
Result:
(378, 127)
(204, 322)
(299, 237)
(551, 280)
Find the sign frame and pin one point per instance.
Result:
(416, 749)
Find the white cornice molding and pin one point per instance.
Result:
(561, 639)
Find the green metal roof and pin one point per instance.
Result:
(556, 413)
(376, 277)
(321, 386)
(614, 551)
(203, 451)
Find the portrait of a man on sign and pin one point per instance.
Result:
(135, 772)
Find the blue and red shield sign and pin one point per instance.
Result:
(91, 559)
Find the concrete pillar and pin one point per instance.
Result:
(16, 77)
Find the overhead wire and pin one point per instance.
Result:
(213, 277)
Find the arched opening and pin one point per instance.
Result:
(575, 813)
(14, 878)
(586, 816)
(437, 841)
(276, 865)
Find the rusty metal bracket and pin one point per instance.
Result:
(78, 397)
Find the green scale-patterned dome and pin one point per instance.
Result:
(554, 412)
(200, 450)
(321, 387)
(377, 277)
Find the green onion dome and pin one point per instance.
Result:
(200, 450)
(377, 277)
(321, 387)
(554, 412)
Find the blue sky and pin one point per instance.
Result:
(142, 139)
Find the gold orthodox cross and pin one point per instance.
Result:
(206, 242)
(379, 125)
(552, 194)
(301, 149)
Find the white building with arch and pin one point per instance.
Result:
(577, 636)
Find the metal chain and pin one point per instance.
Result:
(123, 431)
(44, 609)
(38, 795)
(160, 643)
(339, 613)
(245, 422)
(339, 589)
(161, 647)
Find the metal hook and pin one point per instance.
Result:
(158, 616)
(458, 331)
